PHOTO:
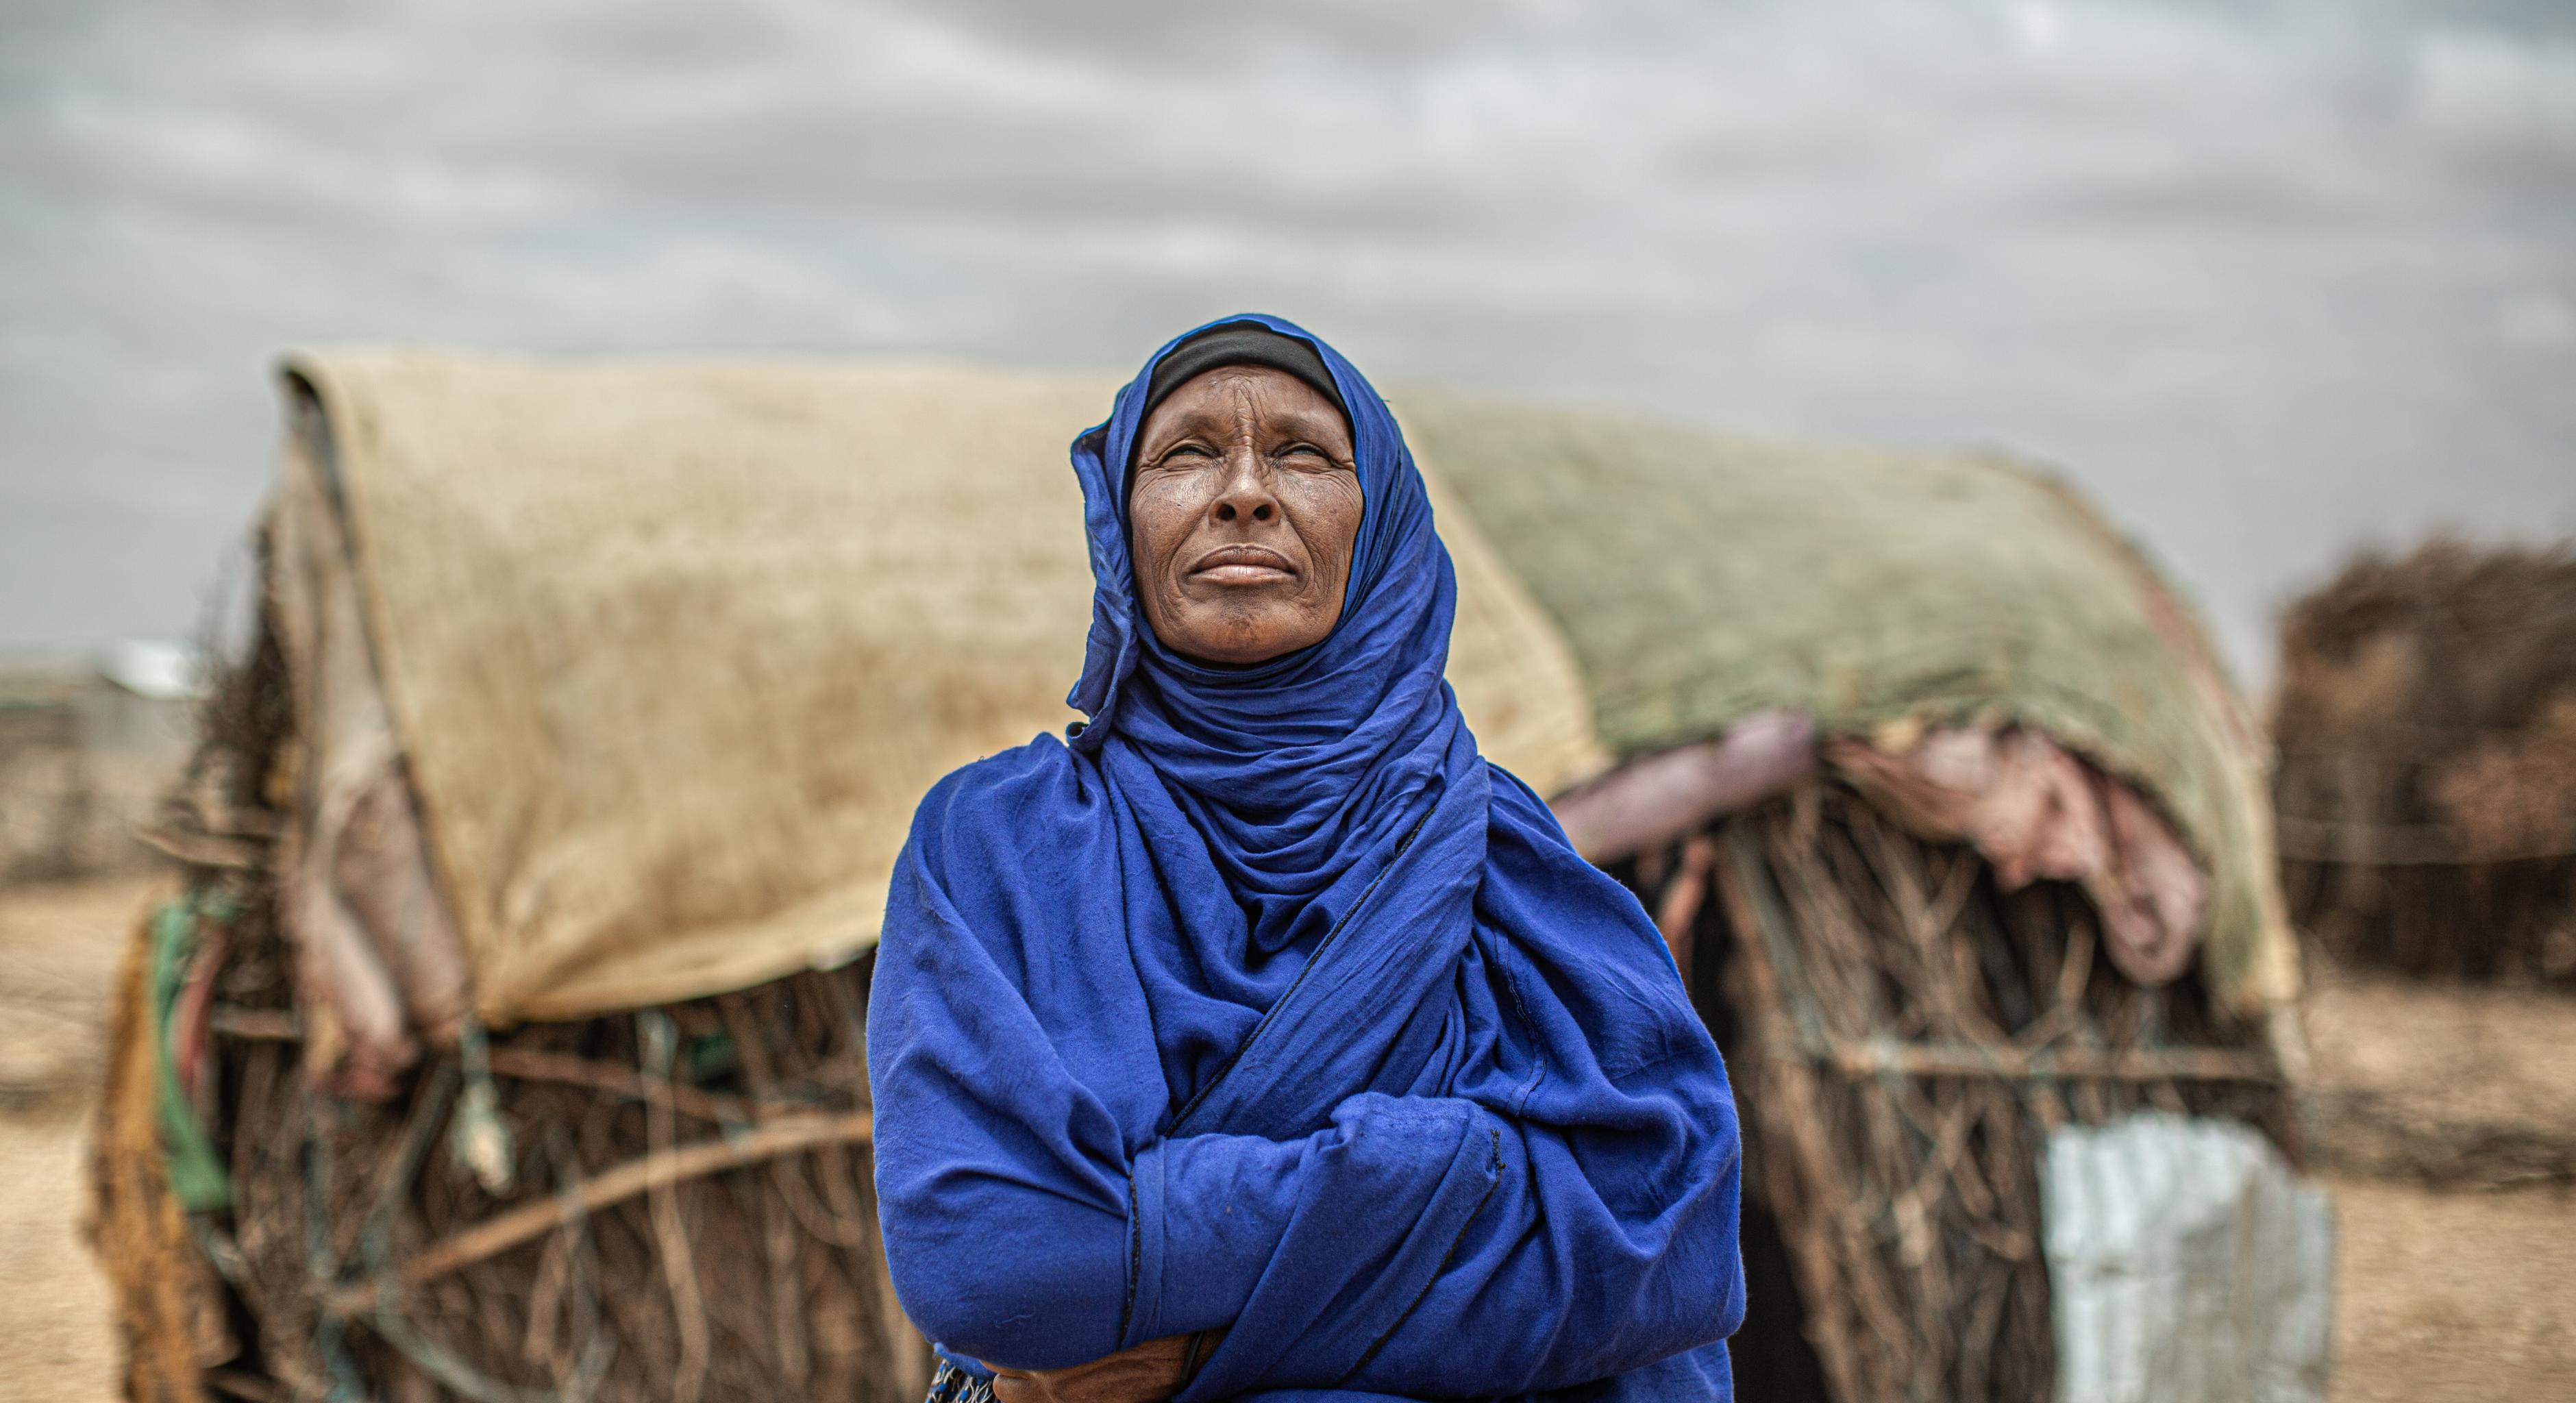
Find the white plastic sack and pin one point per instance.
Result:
(2187, 1264)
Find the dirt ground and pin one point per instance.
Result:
(2458, 1086)
(2467, 1295)
(2446, 1114)
(59, 948)
(2444, 1294)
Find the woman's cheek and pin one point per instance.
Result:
(1340, 537)
(1161, 517)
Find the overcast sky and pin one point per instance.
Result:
(2273, 280)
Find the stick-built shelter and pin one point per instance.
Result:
(508, 1040)
(2426, 719)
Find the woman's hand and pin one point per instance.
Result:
(1149, 1373)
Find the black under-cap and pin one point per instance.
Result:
(1240, 343)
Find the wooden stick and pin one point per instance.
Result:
(265, 1025)
(500, 1233)
(530, 1064)
(1808, 1175)
(241, 1384)
(1870, 1057)
(1679, 908)
(670, 1234)
(205, 849)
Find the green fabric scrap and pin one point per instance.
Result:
(711, 1057)
(197, 1175)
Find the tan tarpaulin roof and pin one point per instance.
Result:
(673, 650)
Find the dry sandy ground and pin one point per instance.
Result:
(54, 1341)
(59, 949)
(2466, 1087)
(2467, 1295)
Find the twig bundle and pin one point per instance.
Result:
(2426, 792)
(708, 1235)
(682, 1205)
(1902, 1035)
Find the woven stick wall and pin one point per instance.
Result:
(687, 1214)
(675, 1203)
(1902, 1035)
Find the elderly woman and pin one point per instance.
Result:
(1260, 1039)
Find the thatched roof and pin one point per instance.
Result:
(1700, 579)
(673, 650)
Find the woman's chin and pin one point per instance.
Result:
(1237, 642)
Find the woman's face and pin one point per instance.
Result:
(1242, 515)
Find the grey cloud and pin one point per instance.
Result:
(2268, 277)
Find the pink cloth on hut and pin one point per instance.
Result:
(2035, 811)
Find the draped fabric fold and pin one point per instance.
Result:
(1264, 1002)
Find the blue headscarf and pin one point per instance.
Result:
(1311, 766)
(1266, 1003)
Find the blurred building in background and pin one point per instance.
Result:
(86, 747)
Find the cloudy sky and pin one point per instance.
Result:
(2273, 279)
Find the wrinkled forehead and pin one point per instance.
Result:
(1230, 400)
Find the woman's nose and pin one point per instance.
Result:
(1245, 493)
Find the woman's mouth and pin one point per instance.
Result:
(1242, 565)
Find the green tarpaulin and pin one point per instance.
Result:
(1699, 578)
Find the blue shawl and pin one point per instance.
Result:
(1266, 1003)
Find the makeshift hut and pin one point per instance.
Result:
(508, 1039)
(1959, 835)
(2426, 723)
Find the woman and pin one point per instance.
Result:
(1259, 1039)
